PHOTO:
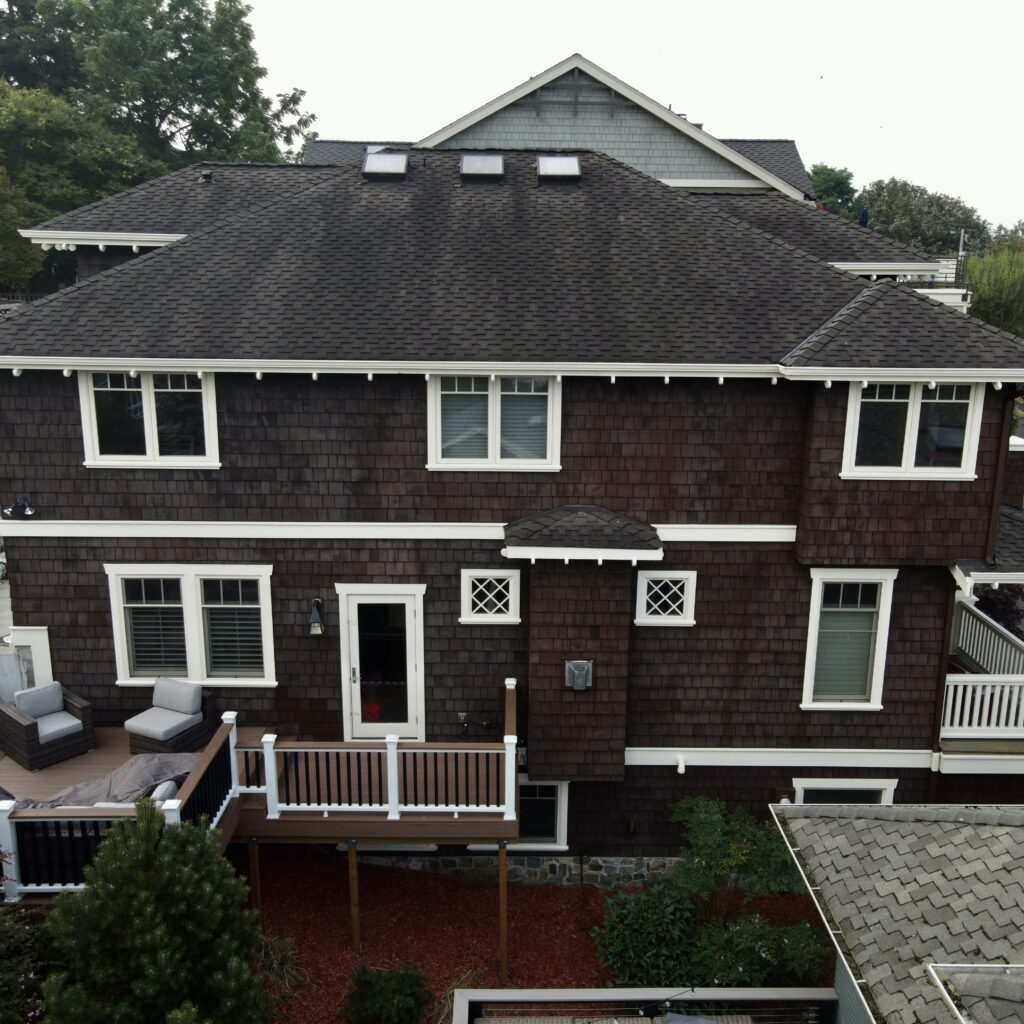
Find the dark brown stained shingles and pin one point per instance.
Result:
(581, 526)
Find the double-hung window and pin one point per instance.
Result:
(149, 420)
(207, 623)
(847, 638)
(494, 422)
(912, 430)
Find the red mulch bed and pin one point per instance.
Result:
(445, 925)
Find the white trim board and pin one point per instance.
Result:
(928, 267)
(598, 555)
(318, 530)
(66, 239)
(578, 61)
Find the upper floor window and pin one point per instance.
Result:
(166, 420)
(493, 422)
(912, 430)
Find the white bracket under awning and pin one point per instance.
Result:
(598, 555)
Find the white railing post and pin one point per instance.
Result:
(510, 778)
(231, 718)
(270, 775)
(8, 846)
(392, 760)
(172, 812)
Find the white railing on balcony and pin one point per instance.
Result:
(981, 641)
(983, 707)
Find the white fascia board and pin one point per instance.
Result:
(930, 267)
(975, 577)
(730, 533)
(776, 757)
(909, 375)
(981, 764)
(149, 239)
(644, 102)
(633, 555)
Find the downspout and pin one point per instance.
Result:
(1000, 481)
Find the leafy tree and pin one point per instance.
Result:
(20, 260)
(160, 933)
(929, 221)
(37, 47)
(834, 187)
(1008, 238)
(997, 284)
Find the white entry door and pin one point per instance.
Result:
(382, 660)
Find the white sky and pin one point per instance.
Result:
(931, 92)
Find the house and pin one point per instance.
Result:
(355, 444)
(923, 905)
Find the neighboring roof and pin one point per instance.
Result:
(611, 269)
(825, 235)
(986, 995)
(183, 202)
(334, 152)
(780, 156)
(582, 526)
(1009, 549)
(578, 62)
(888, 324)
(907, 886)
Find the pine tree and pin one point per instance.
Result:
(160, 933)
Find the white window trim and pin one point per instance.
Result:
(689, 597)
(151, 460)
(886, 786)
(908, 471)
(561, 845)
(469, 618)
(191, 577)
(551, 464)
(819, 577)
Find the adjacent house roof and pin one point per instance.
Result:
(582, 526)
(909, 886)
(332, 152)
(780, 156)
(612, 269)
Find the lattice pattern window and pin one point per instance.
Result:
(665, 597)
(490, 595)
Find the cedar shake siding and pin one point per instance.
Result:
(892, 522)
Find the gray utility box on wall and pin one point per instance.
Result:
(579, 675)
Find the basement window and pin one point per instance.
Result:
(558, 165)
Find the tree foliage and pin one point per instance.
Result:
(24, 960)
(160, 933)
(37, 46)
(834, 188)
(398, 996)
(997, 284)
(1008, 239)
(20, 260)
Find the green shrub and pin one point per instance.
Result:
(645, 938)
(398, 996)
(24, 961)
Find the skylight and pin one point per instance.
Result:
(385, 164)
(482, 165)
(558, 165)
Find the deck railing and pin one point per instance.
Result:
(47, 849)
(982, 644)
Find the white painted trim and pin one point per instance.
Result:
(819, 577)
(1017, 444)
(754, 533)
(412, 595)
(903, 267)
(494, 462)
(37, 640)
(981, 764)
(467, 616)
(973, 578)
(94, 459)
(908, 471)
(191, 576)
(777, 757)
(887, 787)
(902, 375)
(715, 183)
(645, 102)
(61, 239)
(643, 578)
(633, 555)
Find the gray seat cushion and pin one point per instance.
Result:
(175, 695)
(55, 726)
(161, 723)
(165, 791)
(39, 701)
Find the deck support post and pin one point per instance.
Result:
(255, 892)
(270, 775)
(353, 895)
(392, 762)
(503, 911)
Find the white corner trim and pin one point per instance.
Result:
(886, 786)
(680, 124)
(633, 555)
(778, 757)
(60, 239)
(37, 640)
(735, 534)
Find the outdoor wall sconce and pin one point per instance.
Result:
(21, 509)
(316, 618)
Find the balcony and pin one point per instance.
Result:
(984, 700)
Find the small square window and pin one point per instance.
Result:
(665, 597)
(490, 595)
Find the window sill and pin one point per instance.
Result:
(664, 622)
(839, 705)
(234, 684)
(490, 620)
(150, 464)
(492, 467)
(899, 474)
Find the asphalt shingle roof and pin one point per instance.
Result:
(908, 886)
(341, 152)
(582, 526)
(780, 156)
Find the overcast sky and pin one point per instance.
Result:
(932, 92)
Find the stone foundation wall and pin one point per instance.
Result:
(536, 868)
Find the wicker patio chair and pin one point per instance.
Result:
(177, 721)
(44, 725)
